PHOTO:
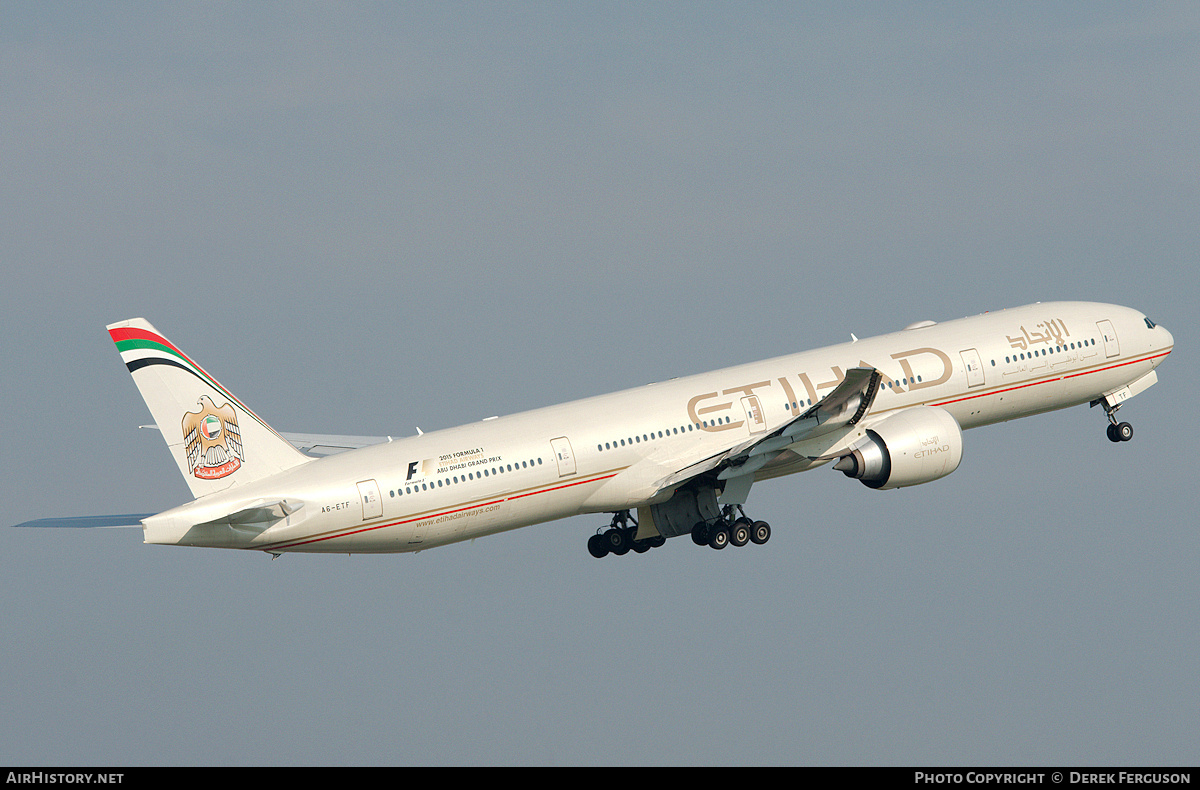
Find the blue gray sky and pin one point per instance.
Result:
(365, 218)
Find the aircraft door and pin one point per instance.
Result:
(974, 367)
(562, 453)
(372, 503)
(755, 420)
(1111, 347)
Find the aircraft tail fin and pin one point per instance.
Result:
(216, 440)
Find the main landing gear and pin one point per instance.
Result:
(620, 538)
(1117, 431)
(734, 528)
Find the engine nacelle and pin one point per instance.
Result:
(911, 447)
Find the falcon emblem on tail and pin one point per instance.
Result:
(212, 440)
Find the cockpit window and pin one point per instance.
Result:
(1149, 324)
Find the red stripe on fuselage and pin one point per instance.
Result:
(413, 519)
(573, 483)
(1050, 380)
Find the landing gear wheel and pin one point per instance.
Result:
(620, 537)
(597, 546)
(616, 541)
(639, 546)
(1124, 432)
(739, 533)
(700, 534)
(760, 532)
(718, 537)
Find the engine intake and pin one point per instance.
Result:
(915, 446)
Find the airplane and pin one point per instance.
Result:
(664, 460)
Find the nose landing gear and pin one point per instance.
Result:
(1117, 431)
(1120, 432)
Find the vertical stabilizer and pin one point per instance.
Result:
(214, 438)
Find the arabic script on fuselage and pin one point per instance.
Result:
(1050, 332)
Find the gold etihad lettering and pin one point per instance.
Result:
(702, 415)
(920, 368)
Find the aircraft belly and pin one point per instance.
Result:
(384, 539)
(561, 501)
(461, 523)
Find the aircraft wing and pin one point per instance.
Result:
(845, 406)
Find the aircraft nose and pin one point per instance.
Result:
(1166, 340)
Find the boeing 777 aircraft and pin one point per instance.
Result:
(669, 459)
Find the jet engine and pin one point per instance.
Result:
(911, 447)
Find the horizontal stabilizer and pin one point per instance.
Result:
(321, 444)
(261, 514)
(90, 522)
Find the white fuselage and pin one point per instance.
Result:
(603, 454)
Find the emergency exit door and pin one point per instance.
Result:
(974, 367)
(1111, 347)
(564, 456)
(754, 414)
(372, 503)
